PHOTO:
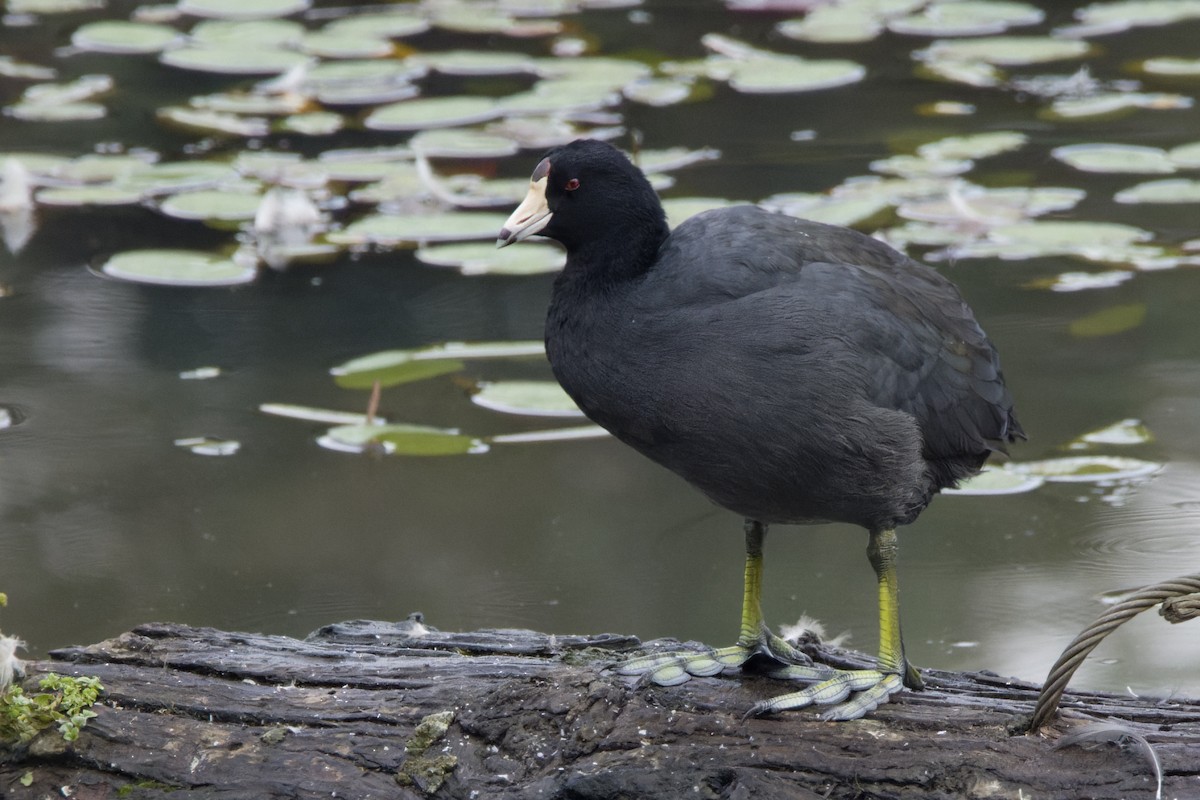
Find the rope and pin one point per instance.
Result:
(1181, 600)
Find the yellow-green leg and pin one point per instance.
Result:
(873, 686)
(754, 637)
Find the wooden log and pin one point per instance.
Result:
(399, 710)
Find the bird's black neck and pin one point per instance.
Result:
(621, 255)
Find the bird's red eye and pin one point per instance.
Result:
(572, 184)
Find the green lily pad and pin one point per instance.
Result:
(1069, 233)
(447, 226)
(997, 481)
(462, 143)
(969, 73)
(99, 195)
(314, 123)
(334, 45)
(391, 24)
(56, 112)
(433, 112)
(1185, 155)
(529, 398)
(242, 9)
(212, 204)
(834, 24)
(401, 439)
(392, 367)
(1087, 469)
(310, 414)
(1114, 103)
(1083, 281)
(268, 33)
(177, 268)
(1004, 51)
(659, 92)
(778, 74)
(1125, 432)
(991, 207)
(1109, 321)
(12, 68)
(208, 446)
(913, 166)
(476, 62)
(103, 168)
(1173, 190)
(1172, 67)
(233, 60)
(978, 145)
(572, 433)
(967, 18)
(214, 121)
(485, 259)
(1113, 158)
(250, 103)
(561, 97)
(1125, 14)
(681, 208)
(117, 36)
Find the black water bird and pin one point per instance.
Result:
(793, 372)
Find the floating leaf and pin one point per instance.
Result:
(1003, 51)
(910, 166)
(679, 209)
(553, 435)
(212, 205)
(459, 143)
(214, 121)
(967, 18)
(1175, 190)
(1113, 103)
(1112, 158)
(116, 36)
(997, 481)
(530, 398)
(658, 92)
(200, 374)
(1185, 155)
(1172, 67)
(1118, 16)
(400, 439)
(1109, 321)
(243, 9)
(834, 24)
(476, 62)
(208, 446)
(104, 195)
(782, 74)
(400, 366)
(433, 112)
(1082, 281)
(177, 268)
(332, 45)
(1125, 432)
(486, 259)
(1059, 234)
(1087, 469)
(978, 145)
(56, 112)
(309, 414)
(447, 226)
(233, 60)
(268, 33)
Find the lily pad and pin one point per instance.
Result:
(56, 112)
(217, 205)
(233, 60)
(485, 259)
(447, 226)
(332, 45)
(1070, 233)
(1004, 51)
(1114, 103)
(310, 414)
(997, 481)
(1185, 155)
(659, 92)
(117, 36)
(476, 62)
(101, 195)
(242, 9)
(392, 24)
(1125, 432)
(784, 74)
(967, 18)
(214, 121)
(401, 439)
(208, 446)
(1172, 67)
(269, 33)
(433, 112)
(1114, 158)
(461, 143)
(529, 398)
(1109, 321)
(572, 433)
(177, 268)
(978, 145)
(401, 366)
(1087, 469)
(679, 209)
(913, 166)
(834, 24)
(1173, 190)
(1083, 281)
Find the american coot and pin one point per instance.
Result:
(793, 372)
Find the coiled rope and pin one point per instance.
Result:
(1180, 599)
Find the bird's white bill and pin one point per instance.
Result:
(530, 217)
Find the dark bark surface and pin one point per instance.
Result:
(381, 710)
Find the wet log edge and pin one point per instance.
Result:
(399, 710)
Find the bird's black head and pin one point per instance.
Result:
(585, 192)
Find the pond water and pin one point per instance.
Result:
(106, 522)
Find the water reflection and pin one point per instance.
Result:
(105, 523)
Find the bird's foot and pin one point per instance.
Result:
(872, 688)
(671, 669)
